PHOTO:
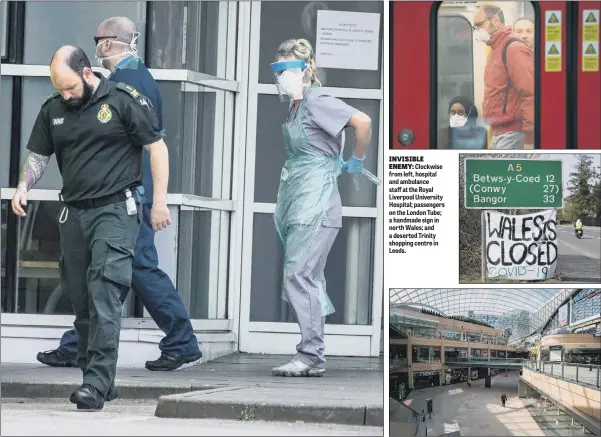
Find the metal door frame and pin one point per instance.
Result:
(275, 337)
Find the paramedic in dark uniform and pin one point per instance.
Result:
(97, 130)
(116, 51)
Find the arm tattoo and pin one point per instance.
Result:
(32, 170)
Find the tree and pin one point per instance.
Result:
(570, 211)
(596, 196)
(581, 186)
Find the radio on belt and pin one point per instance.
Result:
(130, 203)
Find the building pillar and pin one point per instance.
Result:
(410, 377)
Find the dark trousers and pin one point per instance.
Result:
(97, 250)
(159, 296)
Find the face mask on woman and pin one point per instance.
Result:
(291, 82)
(457, 120)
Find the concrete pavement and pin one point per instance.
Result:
(579, 261)
(477, 411)
(238, 386)
(28, 417)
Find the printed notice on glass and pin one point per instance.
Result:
(347, 40)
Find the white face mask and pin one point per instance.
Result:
(131, 49)
(457, 120)
(482, 35)
(291, 82)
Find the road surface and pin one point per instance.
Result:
(46, 417)
(579, 261)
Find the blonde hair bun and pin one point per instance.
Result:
(299, 49)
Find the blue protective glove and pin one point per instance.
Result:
(354, 165)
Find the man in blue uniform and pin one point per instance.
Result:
(116, 51)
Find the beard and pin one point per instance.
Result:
(76, 102)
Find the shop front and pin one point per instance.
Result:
(451, 353)
(450, 334)
(556, 353)
(455, 376)
(426, 379)
(425, 354)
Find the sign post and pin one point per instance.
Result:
(513, 183)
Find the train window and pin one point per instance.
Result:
(484, 102)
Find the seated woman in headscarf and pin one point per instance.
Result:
(463, 131)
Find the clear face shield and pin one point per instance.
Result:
(291, 78)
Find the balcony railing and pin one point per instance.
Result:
(589, 374)
(426, 360)
(425, 335)
(487, 360)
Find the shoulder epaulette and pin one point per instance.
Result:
(134, 94)
(128, 89)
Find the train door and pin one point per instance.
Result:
(435, 58)
(587, 85)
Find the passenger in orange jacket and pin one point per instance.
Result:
(508, 105)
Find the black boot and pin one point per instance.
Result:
(88, 397)
(56, 359)
(110, 396)
(171, 362)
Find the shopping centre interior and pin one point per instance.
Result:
(456, 351)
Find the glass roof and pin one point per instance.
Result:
(524, 310)
(490, 301)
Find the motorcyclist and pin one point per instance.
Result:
(578, 225)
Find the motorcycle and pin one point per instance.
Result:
(579, 233)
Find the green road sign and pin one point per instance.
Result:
(513, 183)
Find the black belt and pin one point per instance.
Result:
(100, 201)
